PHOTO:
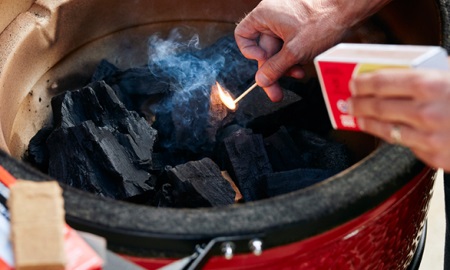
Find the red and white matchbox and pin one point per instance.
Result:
(336, 66)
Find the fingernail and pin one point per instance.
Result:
(262, 80)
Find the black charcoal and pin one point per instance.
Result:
(135, 85)
(321, 152)
(37, 152)
(98, 145)
(96, 102)
(207, 180)
(247, 162)
(257, 112)
(104, 69)
(282, 151)
(100, 142)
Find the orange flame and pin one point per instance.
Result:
(226, 97)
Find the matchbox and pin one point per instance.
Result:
(336, 66)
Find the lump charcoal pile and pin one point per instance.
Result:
(159, 135)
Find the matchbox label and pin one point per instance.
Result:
(335, 78)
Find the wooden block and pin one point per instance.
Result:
(37, 224)
(238, 197)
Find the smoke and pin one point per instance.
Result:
(191, 71)
(183, 62)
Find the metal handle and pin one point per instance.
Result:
(226, 246)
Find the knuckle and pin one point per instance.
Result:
(274, 70)
(290, 52)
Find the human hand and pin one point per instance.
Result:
(406, 106)
(282, 35)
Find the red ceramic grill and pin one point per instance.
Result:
(370, 216)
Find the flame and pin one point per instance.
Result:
(226, 97)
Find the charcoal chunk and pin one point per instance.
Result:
(97, 102)
(100, 146)
(104, 69)
(247, 162)
(284, 182)
(135, 85)
(207, 180)
(321, 152)
(257, 112)
(91, 158)
(282, 151)
(37, 152)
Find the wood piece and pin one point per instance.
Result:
(282, 151)
(287, 181)
(227, 177)
(37, 224)
(206, 178)
(247, 162)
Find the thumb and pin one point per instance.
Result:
(274, 68)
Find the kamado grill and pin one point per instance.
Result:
(369, 216)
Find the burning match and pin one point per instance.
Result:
(227, 99)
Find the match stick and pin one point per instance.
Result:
(245, 93)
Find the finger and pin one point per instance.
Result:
(430, 116)
(275, 67)
(274, 92)
(410, 83)
(407, 136)
(296, 72)
(378, 128)
(270, 44)
(389, 110)
(246, 35)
